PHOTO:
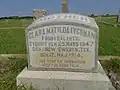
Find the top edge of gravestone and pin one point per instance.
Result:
(65, 17)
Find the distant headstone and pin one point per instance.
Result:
(118, 17)
(38, 13)
(6, 20)
(67, 42)
(63, 54)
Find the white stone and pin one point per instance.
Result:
(52, 80)
(63, 42)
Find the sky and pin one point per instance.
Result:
(87, 7)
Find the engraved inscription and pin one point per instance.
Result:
(62, 46)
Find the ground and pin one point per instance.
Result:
(109, 40)
(12, 36)
(9, 69)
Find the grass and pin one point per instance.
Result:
(111, 20)
(12, 41)
(109, 42)
(24, 87)
(9, 69)
(15, 23)
(112, 65)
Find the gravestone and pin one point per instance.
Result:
(38, 13)
(63, 46)
(63, 54)
(118, 16)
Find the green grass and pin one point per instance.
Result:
(14, 23)
(12, 41)
(109, 43)
(112, 65)
(111, 20)
(9, 69)
(24, 87)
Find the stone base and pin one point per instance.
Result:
(59, 80)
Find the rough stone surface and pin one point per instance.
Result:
(59, 80)
(61, 42)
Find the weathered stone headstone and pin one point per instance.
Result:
(118, 16)
(38, 13)
(66, 42)
(63, 54)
